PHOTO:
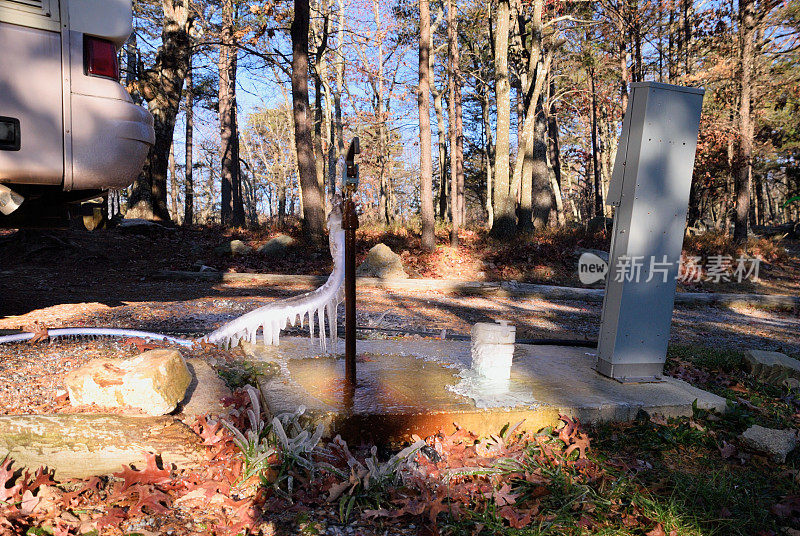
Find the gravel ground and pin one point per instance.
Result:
(31, 375)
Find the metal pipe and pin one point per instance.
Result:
(350, 224)
(9, 200)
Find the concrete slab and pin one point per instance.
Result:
(421, 387)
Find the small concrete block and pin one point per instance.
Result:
(776, 443)
(492, 350)
(771, 366)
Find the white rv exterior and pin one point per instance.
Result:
(68, 130)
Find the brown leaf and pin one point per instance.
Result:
(504, 496)
(150, 475)
(29, 502)
(39, 332)
(515, 517)
(657, 531)
(5, 477)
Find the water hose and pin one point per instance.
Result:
(97, 332)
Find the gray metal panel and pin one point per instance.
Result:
(653, 196)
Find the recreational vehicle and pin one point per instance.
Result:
(69, 131)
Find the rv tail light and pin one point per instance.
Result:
(100, 57)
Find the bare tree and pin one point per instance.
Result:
(161, 86)
(188, 198)
(313, 211)
(232, 207)
(744, 173)
(504, 200)
(423, 104)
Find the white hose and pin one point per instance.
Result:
(101, 332)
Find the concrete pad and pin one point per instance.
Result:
(421, 387)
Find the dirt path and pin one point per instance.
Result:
(201, 307)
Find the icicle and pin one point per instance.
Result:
(277, 315)
(322, 337)
(332, 320)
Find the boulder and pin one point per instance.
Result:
(234, 247)
(771, 367)
(775, 443)
(205, 393)
(153, 382)
(383, 263)
(141, 226)
(598, 252)
(277, 245)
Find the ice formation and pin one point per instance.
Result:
(315, 306)
(318, 308)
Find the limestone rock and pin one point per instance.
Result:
(771, 366)
(234, 247)
(154, 382)
(776, 443)
(383, 263)
(276, 245)
(84, 445)
(206, 391)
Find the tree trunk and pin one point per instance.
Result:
(598, 189)
(313, 212)
(188, 199)
(488, 150)
(744, 161)
(423, 104)
(161, 87)
(504, 201)
(443, 168)
(542, 195)
(339, 83)
(232, 206)
(454, 116)
(173, 184)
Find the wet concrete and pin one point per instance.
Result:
(419, 387)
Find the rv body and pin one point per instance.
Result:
(69, 131)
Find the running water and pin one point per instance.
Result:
(318, 308)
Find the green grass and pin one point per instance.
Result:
(705, 357)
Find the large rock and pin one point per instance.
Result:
(277, 245)
(84, 445)
(205, 393)
(234, 247)
(153, 382)
(771, 366)
(383, 263)
(775, 443)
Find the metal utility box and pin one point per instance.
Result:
(650, 189)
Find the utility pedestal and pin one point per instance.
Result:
(650, 189)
